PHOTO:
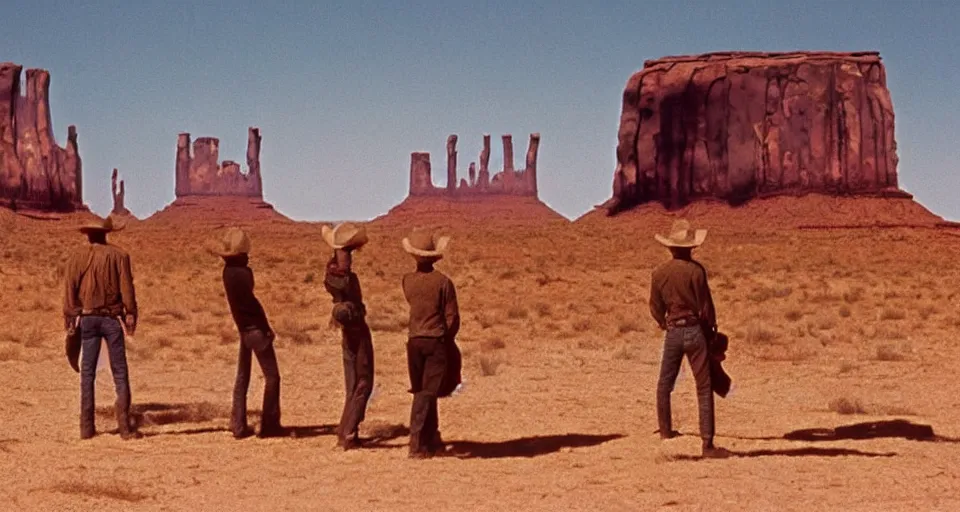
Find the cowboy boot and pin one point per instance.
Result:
(126, 430)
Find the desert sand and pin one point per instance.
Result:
(830, 328)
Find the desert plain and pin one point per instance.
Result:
(843, 354)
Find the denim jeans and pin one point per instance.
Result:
(689, 341)
(357, 376)
(92, 330)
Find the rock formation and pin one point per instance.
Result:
(35, 173)
(118, 193)
(736, 126)
(506, 182)
(202, 174)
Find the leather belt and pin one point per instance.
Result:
(688, 321)
(97, 312)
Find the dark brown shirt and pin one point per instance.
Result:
(99, 279)
(434, 312)
(246, 310)
(678, 289)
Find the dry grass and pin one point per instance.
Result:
(489, 365)
(846, 406)
(889, 353)
(107, 489)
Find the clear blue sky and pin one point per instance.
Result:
(344, 91)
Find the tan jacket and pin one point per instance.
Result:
(434, 312)
(98, 279)
(679, 289)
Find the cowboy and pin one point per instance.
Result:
(349, 314)
(99, 292)
(432, 355)
(681, 304)
(256, 336)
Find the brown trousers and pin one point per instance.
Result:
(358, 369)
(427, 365)
(255, 342)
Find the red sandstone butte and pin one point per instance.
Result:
(741, 125)
(211, 192)
(506, 182)
(35, 173)
(202, 174)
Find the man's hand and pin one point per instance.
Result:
(130, 323)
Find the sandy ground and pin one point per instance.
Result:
(829, 328)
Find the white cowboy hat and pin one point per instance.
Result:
(682, 235)
(424, 245)
(234, 243)
(101, 225)
(347, 235)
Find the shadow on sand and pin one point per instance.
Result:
(789, 452)
(526, 446)
(887, 429)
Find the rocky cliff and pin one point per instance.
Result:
(735, 126)
(200, 172)
(35, 173)
(506, 182)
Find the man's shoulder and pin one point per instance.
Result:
(115, 251)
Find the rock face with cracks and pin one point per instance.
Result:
(35, 173)
(737, 126)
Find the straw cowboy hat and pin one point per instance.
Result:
(100, 225)
(682, 236)
(234, 243)
(347, 235)
(424, 245)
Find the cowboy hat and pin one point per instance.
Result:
(101, 225)
(424, 245)
(347, 235)
(234, 243)
(682, 235)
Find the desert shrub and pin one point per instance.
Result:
(489, 366)
(892, 314)
(846, 406)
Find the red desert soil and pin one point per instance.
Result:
(846, 329)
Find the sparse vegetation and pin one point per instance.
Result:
(109, 489)
(846, 406)
(489, 366)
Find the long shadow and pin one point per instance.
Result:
(792, 452)
(526, 446)
(157, 414)
(308, 431)
(187, 432)
(887, 429)
(891, 429)
(379, 437)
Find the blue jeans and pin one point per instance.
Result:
(92, 330)
(689, 341)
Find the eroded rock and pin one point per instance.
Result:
(35, 173)
(506, 182)
(735, 126)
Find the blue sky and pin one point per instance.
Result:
(344, 91)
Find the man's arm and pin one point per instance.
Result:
(707, 313)
(451, 309)
(71, 303)
(658, 309)
(128, 294)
